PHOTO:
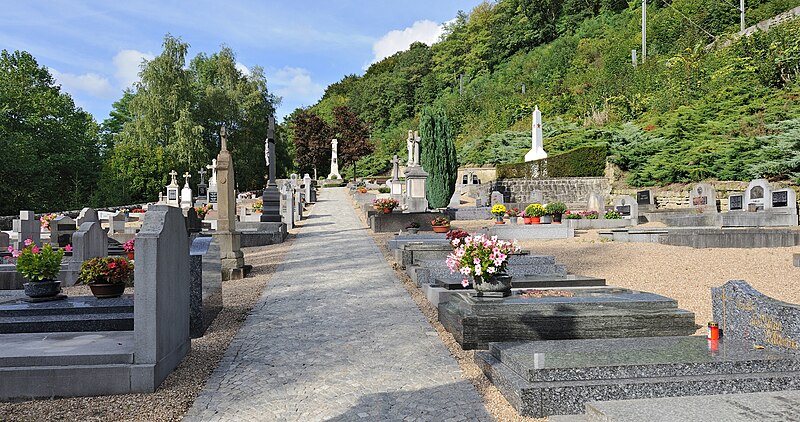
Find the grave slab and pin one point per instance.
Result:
(542, 378)
(532, 231)
(533, 282)
(73, 314)
(601, 312)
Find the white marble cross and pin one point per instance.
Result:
(202, 173)
(173, 173)
(186, 177)
(213, 168)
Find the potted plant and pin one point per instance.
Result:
(535, 211)
(203, 211)
(483, 260)
(569, 215)
(40, 266)
(440, 224)
(44, 221)
(590, 215)
(361, 189)
(412, 227)
(556, 209)
(612, 215)
(498, 211)
(386, 204)
(129, 248)
(258, 205)
(106, 276)
(513, 215)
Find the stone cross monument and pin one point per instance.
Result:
(334, 161)
(395, 185)
(271, 197)
(416, 177)
(202, 187)
(186, 192)
(211, 197)
(172, 190)
(227, 236)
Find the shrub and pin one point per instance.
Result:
(384, 189)
(588, 161)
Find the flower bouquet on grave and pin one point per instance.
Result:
(106, 276)
(513, 214)
(483, 260)
(258, 205)
(569, 215)
(535, 212)
(440, 224)
(386, 204)
(40, 266)
(590, 215)
(44, 221)
(612, 215)
(498, 211)
(456, 237)
(203, 211)
(129, 247)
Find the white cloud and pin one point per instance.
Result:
(127, 63)
(294, 84)
(242, 68)
(91, 83)
(424, 31)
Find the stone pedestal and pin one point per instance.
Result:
(416, 178)
(271, 210)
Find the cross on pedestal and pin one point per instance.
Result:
(395, 168)
(213, 168)
(173, 173)
(202, 173)
(187, 176)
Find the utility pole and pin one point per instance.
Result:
(741, 14)
(644, 30)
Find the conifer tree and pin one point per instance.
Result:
(438, 156)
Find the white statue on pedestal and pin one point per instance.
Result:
(537, 145)
(334, 161)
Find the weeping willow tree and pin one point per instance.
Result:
(438, 156)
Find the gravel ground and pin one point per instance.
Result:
(177, 393)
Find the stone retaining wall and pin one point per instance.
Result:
(573, 191)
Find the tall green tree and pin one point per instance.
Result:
(172, 121)
(438, 156)
(49, 152)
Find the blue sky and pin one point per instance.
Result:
(93, 48)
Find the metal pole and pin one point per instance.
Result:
(741, 16)
(644, 30)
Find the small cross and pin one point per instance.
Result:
(173, 173)
(187, 176)
(202, 173)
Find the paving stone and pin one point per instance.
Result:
(335, 336)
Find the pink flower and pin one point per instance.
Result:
(68, 248)
(10, 248)
(465, 282)
(28, 242)
(465, 271)
(491, 270)
(15, 254)
(476, 261)
(477, 270)
(35, 249)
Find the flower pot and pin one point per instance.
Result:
(441, 229)
(387, 210)
(107, 290)
(47, 288)
(546, 219)
(498, 219)
(130, 255)
(412, 230)
(497, 285)
(536, 220)
(526, 220)
(556, 218)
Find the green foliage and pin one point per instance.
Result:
(39, 264)
(589, 161)
(554, 208)
(438, 157)
(172, 121)
(49, 157)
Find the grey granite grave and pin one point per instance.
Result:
(410, 253)
(532, 282)
(740, 407)
(27, 226)
(4, 241)
(470, 213)
(399, 240)
(519, 265)
(75, 313)
(206, 284)
(531, 231)
(61, 230)
(746, 315)
(542, 378)
(87, 215)
(397, 221)
(601, 312)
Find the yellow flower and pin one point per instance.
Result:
(499, 209)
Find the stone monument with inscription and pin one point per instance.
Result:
(271, 209)
(416, 177)
(537, 144)
(703, 198)
(229, 239)
(213, 191)
(187, 200)
(334, 174)
(172, 191)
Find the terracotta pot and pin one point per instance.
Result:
(441, 229)
(130, 255)
(536, 220)
(107, 290)
(526, 220)
(387, 210)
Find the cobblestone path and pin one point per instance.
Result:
(335, 337)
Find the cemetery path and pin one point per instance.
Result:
(336, 337)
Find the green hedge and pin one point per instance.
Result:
(587, 161)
